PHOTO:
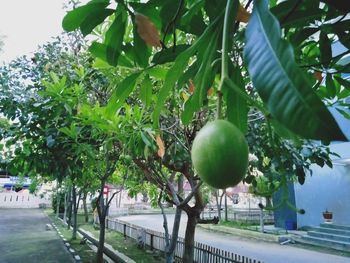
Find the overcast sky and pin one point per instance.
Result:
(27, 24)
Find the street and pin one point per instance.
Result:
(23, 238)
(266, 251)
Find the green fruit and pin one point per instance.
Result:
(220, 154)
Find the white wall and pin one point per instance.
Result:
(326, 189)
(12, 199)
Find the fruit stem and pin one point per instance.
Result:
(230, 13)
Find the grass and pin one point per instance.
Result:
(126, 246)
(250, 226)
(83, 250)
(238, 224)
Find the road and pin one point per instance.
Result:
(23, 238)
(267, 252)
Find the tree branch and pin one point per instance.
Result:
(193, 192)
(165, 221)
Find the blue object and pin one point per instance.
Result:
(290, 225)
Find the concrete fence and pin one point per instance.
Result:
(22, 200)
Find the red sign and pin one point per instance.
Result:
(105, 191)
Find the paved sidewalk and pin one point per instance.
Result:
(23, 238)
(268, 252)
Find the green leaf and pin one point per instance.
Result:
(146, 91)
(157, 72)
(73, 19)
(114, 37)
(195, 26)
(303, 34)
(331, 89)
(344, 37)
(169, 54)
(325, 49)
(281, 84)
(170, 79)
(99, 50)
(282, 131)
(167, 13)
(344, 113)
(94, 19)
(141, 52)
(122, 91)
(178, 68)
(213, 8)
(343, 82)
(192, 19)
(302, 17)
(202, 80)
(237, 110)
(146, 139)
(148, 9)
(282, 9)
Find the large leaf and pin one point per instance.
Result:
(78, 16)
(237, 108)
(281, 84)
(171, 77)
(115, 35)
(343, 82)
(93, 19)
(140, 50)
(202, 80)
(176, 71)
(325, 49)
(146, 91)
(122, 91)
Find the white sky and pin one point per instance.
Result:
(27, 24)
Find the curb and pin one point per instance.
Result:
(247, 233)
(75, 256)
(108, 250)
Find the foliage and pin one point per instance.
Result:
(131, 114)
(203, 20)
(277, 39)
(281, 160)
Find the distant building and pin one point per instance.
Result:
(327, 188)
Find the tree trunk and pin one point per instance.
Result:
(218, 199)
(75, 211)
(226, 215)
(99, 257)
(86, 214)
(58, 203)
(120, 198)
(66, 204)
(169, 254)
(101, 210)
(70, 210)
(189, 238)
